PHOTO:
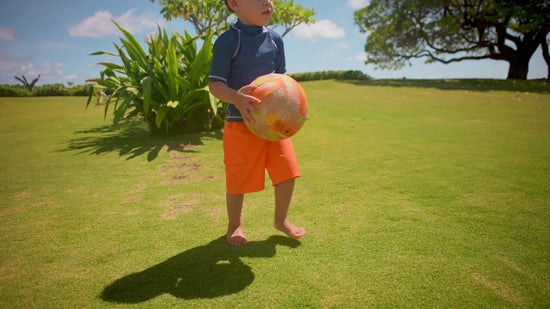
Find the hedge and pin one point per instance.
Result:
(45, 90)
(84, 90)
(338, 75)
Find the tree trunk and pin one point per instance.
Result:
(546, 55)
(519, 58)
(518, 69)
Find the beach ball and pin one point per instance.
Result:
(283, 107)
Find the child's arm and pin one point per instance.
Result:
(239, 98)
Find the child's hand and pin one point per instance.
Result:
(247, 103)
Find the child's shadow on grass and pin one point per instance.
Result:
(207, 271)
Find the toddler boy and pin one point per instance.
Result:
(246, 51)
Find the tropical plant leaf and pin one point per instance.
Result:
(103, 53)
(110, 65)
(121, 109)
(184, 83)
(202, 61)
(213, 101)
(133, 47)
(96, 90)
(172, 69)
(161, 114)
(147, 92)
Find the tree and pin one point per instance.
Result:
(289, 15)
(206, 15)
(455, 30)
(26, 83)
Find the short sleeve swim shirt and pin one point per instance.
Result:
(244, 53)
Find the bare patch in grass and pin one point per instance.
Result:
(10, 270)
(331, 300)
(19, 209)
(344, 207)
(138, 188)
(499, 289)
(180, 169)
(132, 199)
(532, 277)
(11, 211)
(478, 121)
(47, 203)
(22, 195)
(177, 205)
(179, 209)
(208, 177)
(183, 169)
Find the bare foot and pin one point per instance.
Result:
(235, 236)
(290, 229)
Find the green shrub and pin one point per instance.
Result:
(338, 75)
(352, 75)
(51, 90)
(168, 86)
(14, 91)
(81, 90)
(45, 90)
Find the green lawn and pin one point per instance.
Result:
(414, 194)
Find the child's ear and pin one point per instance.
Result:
(233, 4)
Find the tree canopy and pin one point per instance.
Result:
(206, 15)
(455, 30)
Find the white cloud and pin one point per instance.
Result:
(322, 29)
(7, 63)
(47, 71)
(358, 4)
(100, 24)
(70, 77)
(31, 72)
(342, 45)
(359, 57)
(7, 34)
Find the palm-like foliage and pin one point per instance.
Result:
(26, 83)
(167, 86)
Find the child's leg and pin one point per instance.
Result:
(283, 195)
(235, 235)
(243, 174)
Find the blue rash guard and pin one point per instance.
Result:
(244, 53)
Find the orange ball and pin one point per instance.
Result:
(283, 107)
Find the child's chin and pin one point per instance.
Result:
(264, 22)
(264, 19)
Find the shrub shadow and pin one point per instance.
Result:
(132, 139)
(535, 86)
(208, 271)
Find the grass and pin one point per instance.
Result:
(414, 194)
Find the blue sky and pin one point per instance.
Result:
(54, 38)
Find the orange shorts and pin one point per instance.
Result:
(247, 156)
